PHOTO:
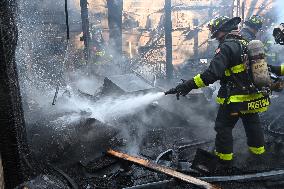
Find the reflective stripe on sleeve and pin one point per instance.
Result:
(220, 100)
(198, 81)
(222, 156)
(257, 150)
(282, 69)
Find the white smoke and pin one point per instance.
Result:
(279, 4)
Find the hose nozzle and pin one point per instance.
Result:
(171, 91)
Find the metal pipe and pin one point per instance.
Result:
(153, 185)
(246, 177)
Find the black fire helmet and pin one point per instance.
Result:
(223, 23)
(255, 21)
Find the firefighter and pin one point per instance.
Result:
(236, 96)
(251, 28)
(271, 56)
(249, 32)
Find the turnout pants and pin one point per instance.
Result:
(224, 125)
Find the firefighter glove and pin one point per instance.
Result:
(183, 89)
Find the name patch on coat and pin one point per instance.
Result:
(258, 104)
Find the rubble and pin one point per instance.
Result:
(166, 133)
(168, 171)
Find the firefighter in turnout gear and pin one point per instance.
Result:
(269, 52)
(249, 32)
(252, 26)
(237, 96)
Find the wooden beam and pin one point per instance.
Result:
(85, 28)
(168, 39)
(162, 169)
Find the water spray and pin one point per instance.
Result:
(105, 109)
(67, 47)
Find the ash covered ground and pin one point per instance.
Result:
(75, 139)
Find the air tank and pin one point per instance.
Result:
(258, 64)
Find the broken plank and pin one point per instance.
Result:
(162, 169)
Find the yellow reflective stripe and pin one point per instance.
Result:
(244, 98)
(255, 150)
(255, 20)
(198, 81)
(100, 53)
(220, 100)
(240, 98)
(244, 42)
(227, 73)
(236, 69)
(259, 110)
(217, 22)
(222, 156)
(282, 69)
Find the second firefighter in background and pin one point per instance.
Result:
(249, 32)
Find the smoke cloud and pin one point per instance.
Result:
(40, 63)
(279, 4)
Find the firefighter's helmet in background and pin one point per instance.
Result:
(224, 24)
(255, 22)
(278, 34)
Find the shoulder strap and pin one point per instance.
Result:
(244, 59)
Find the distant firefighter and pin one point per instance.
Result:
(252, 26)
(238, 96)
(249, 32)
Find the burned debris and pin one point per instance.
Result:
(84, 104)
